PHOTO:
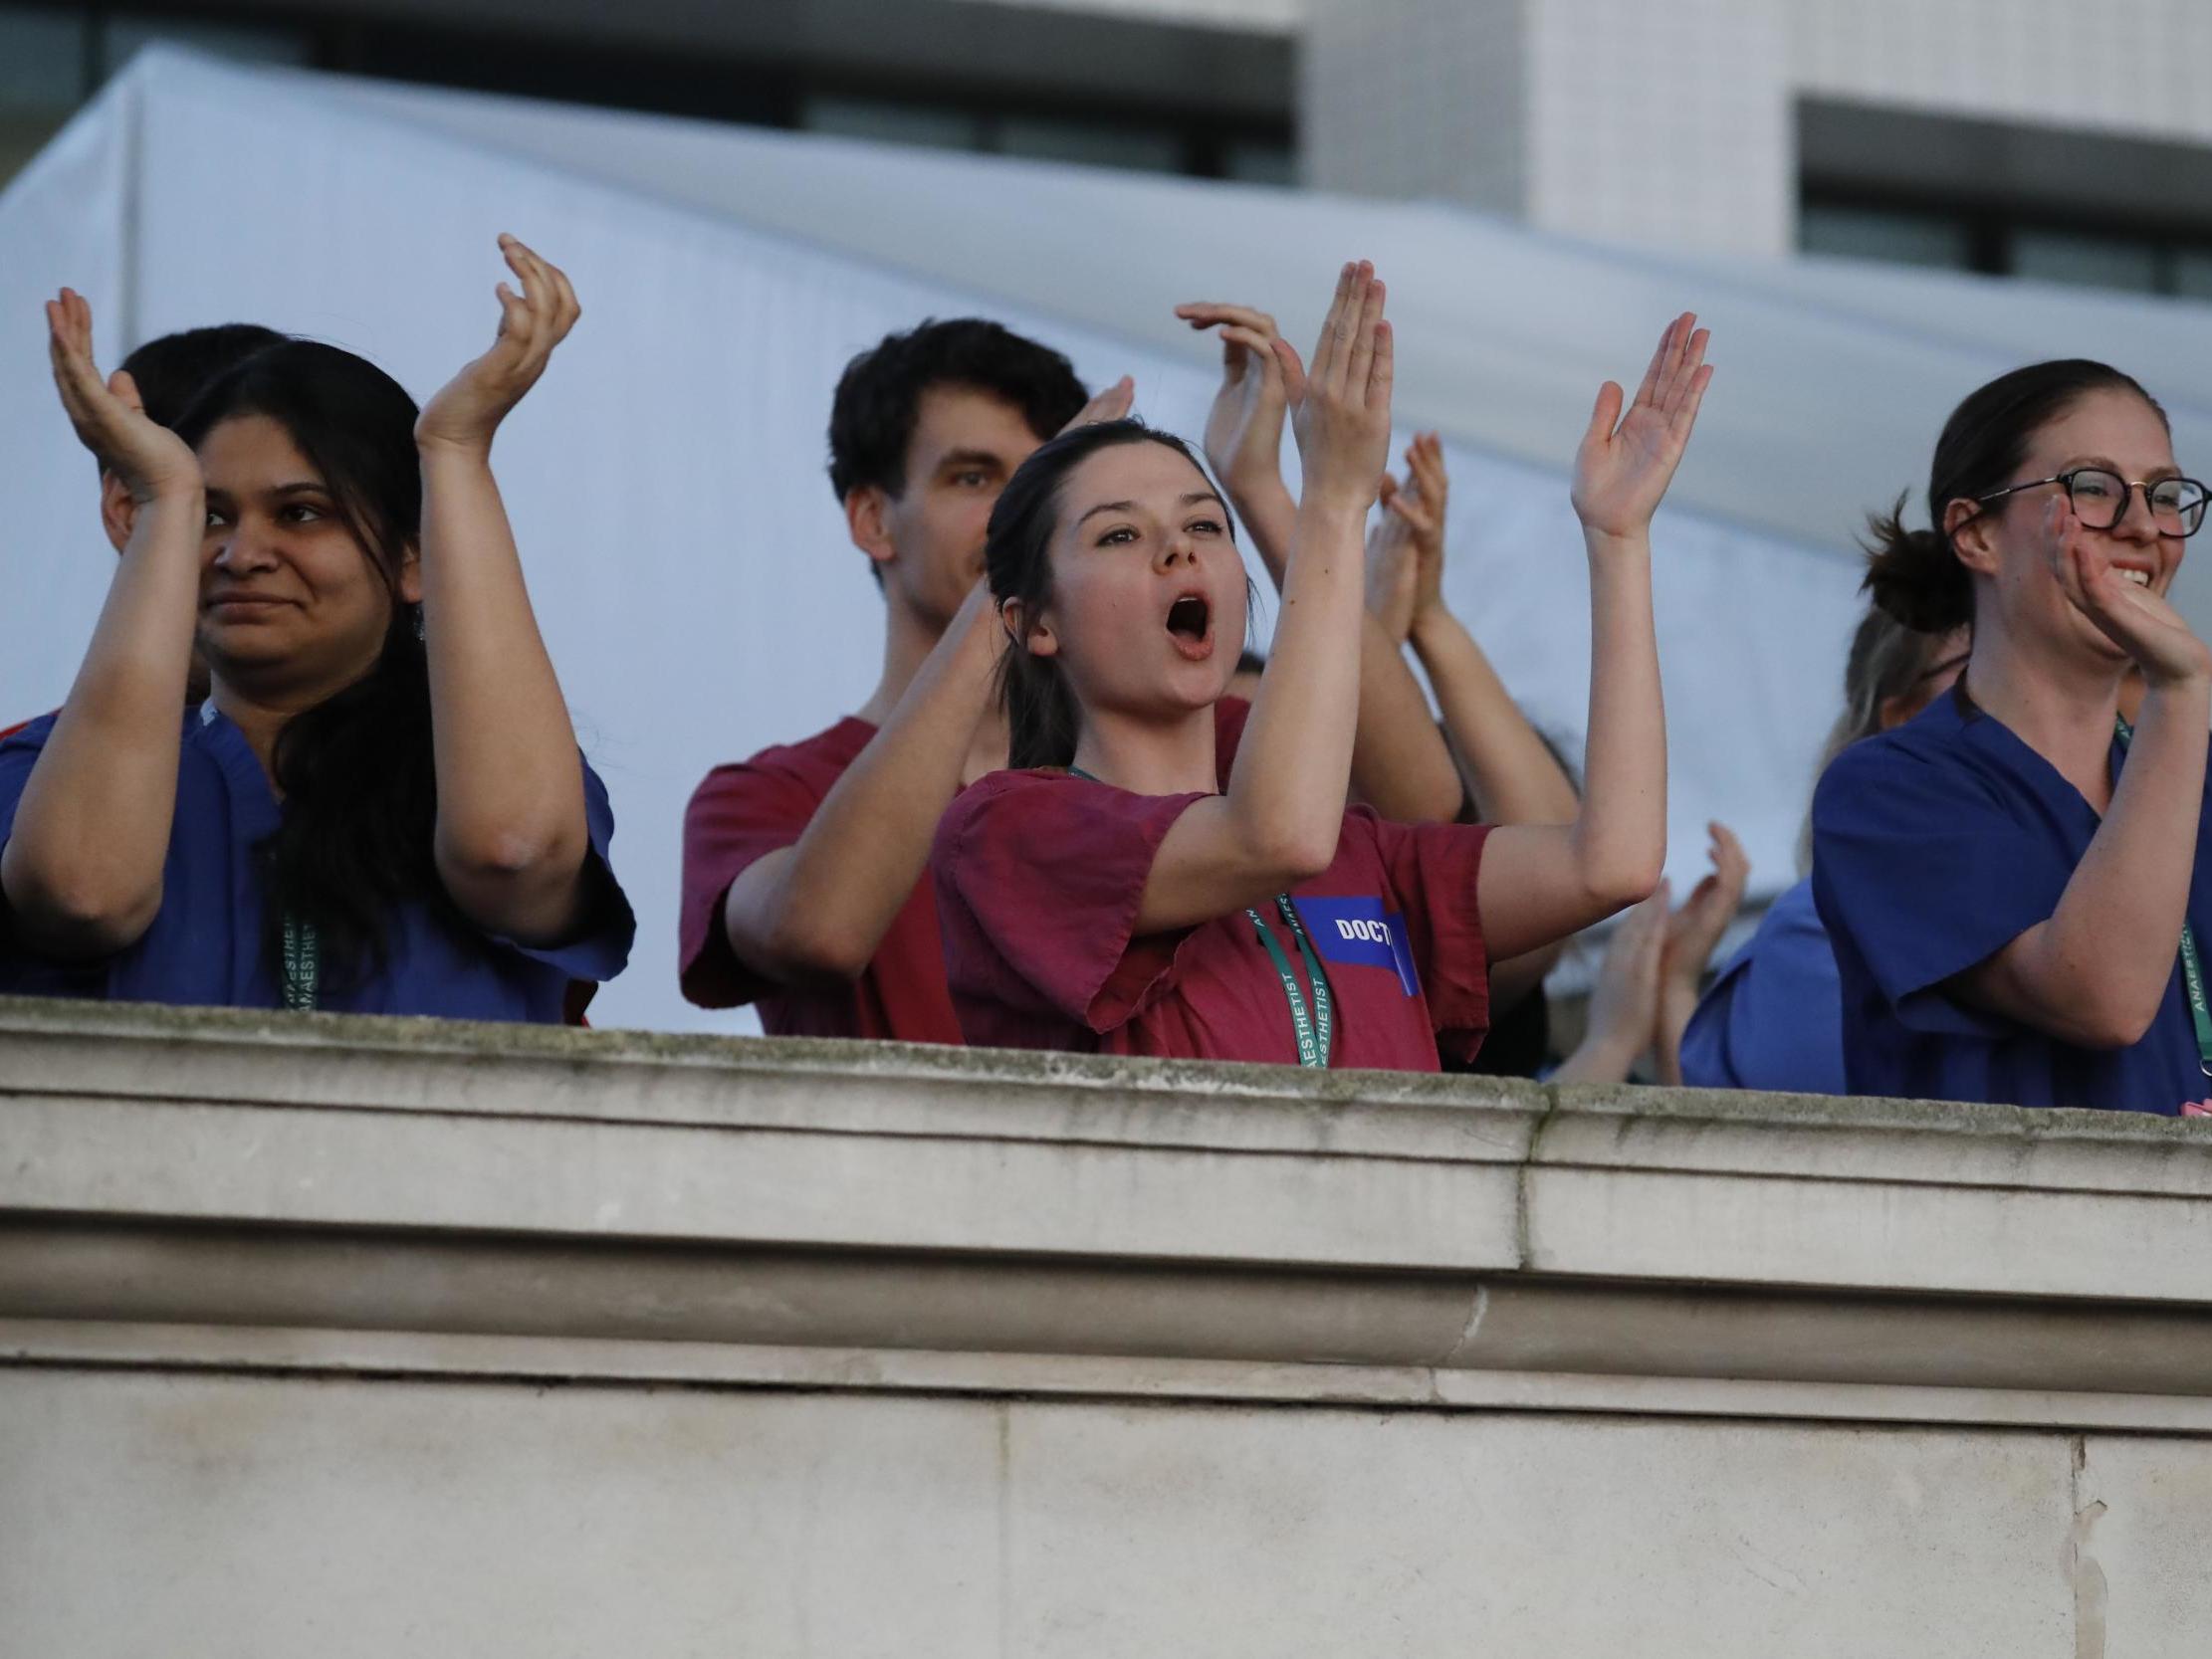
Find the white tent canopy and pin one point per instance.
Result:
(687, 563)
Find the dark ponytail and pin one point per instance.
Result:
(1914, 574)
(1042, 716)
(357, 772)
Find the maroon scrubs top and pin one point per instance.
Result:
(745, 811)
(1039, 878)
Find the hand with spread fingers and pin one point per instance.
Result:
(108, 415)
(1340, 405)
(1112, 404)
(465, 414)
(1244, 429)
(1692, 934)
(2138, 619)
(1628, 458)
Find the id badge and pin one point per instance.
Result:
(1358, 932)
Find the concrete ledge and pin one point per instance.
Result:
(358, 1337)
(168, 1169)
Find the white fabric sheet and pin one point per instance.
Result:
(687, 563)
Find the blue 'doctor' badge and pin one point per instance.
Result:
(1357, 931)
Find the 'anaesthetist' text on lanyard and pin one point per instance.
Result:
(1315, 1027)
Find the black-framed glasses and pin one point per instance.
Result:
(2101, 497)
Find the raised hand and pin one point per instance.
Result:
(1112, 404)
(1627, 461)
(474, 402)
(1392, 572)
(1695, 930)
(1340, 405)
(1624, 998)
(1422, 505)
(2136, 618)
(1244, 429)
(108, 415)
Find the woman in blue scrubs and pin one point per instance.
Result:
(380, 807)
(1772, 1017)
(2010, 880)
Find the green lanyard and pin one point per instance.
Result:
(1315, 1027)
(2192, 965)
(303, 964)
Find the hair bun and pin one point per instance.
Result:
(1913, 575)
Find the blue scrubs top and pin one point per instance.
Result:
(1774, 1019)
(205, 944)
(1933, 847)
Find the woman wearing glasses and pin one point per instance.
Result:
(2010, 879)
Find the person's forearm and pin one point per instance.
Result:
(2096, 973)
(1516, 778)
(1620, 835)
(512, 836)
(1400, 764)
(1286, 790)
(819, 910)
(82, 868)
(1270, 517)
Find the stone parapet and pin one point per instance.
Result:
(320, 1217)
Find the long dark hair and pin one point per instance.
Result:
(360, 790)
(1042, 716)
(1914, 574)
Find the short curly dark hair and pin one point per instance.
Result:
(879, 396)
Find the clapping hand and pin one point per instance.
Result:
(1404, 554)
(1627, 461)
(469, 410)
(1244, 429)
(1112, 404)
(108, 415)
(1696, 928)
(2136, 618)
(1340, 405)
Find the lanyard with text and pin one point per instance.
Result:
(1315, 1027)
(2192, 965)
(303, 964)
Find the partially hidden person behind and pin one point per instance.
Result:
(380, 807)
(806, 890)
(167, 371)
(2014, 882)
(1773, 1016)
(1111, 896)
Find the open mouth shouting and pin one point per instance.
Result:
(1191, 626)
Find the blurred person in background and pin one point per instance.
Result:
(380, 808)
(166, 372)
(2011, 880)
(1773, 1018)
(1111, 896)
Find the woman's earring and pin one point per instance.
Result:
(421, 633)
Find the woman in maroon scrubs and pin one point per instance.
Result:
(1109, 897)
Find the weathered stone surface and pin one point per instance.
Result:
(362, 1336)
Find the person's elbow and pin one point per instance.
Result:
(2104, 1018)
(807, 948)
(75, 912)
(1614, 882)
(1292, 853)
